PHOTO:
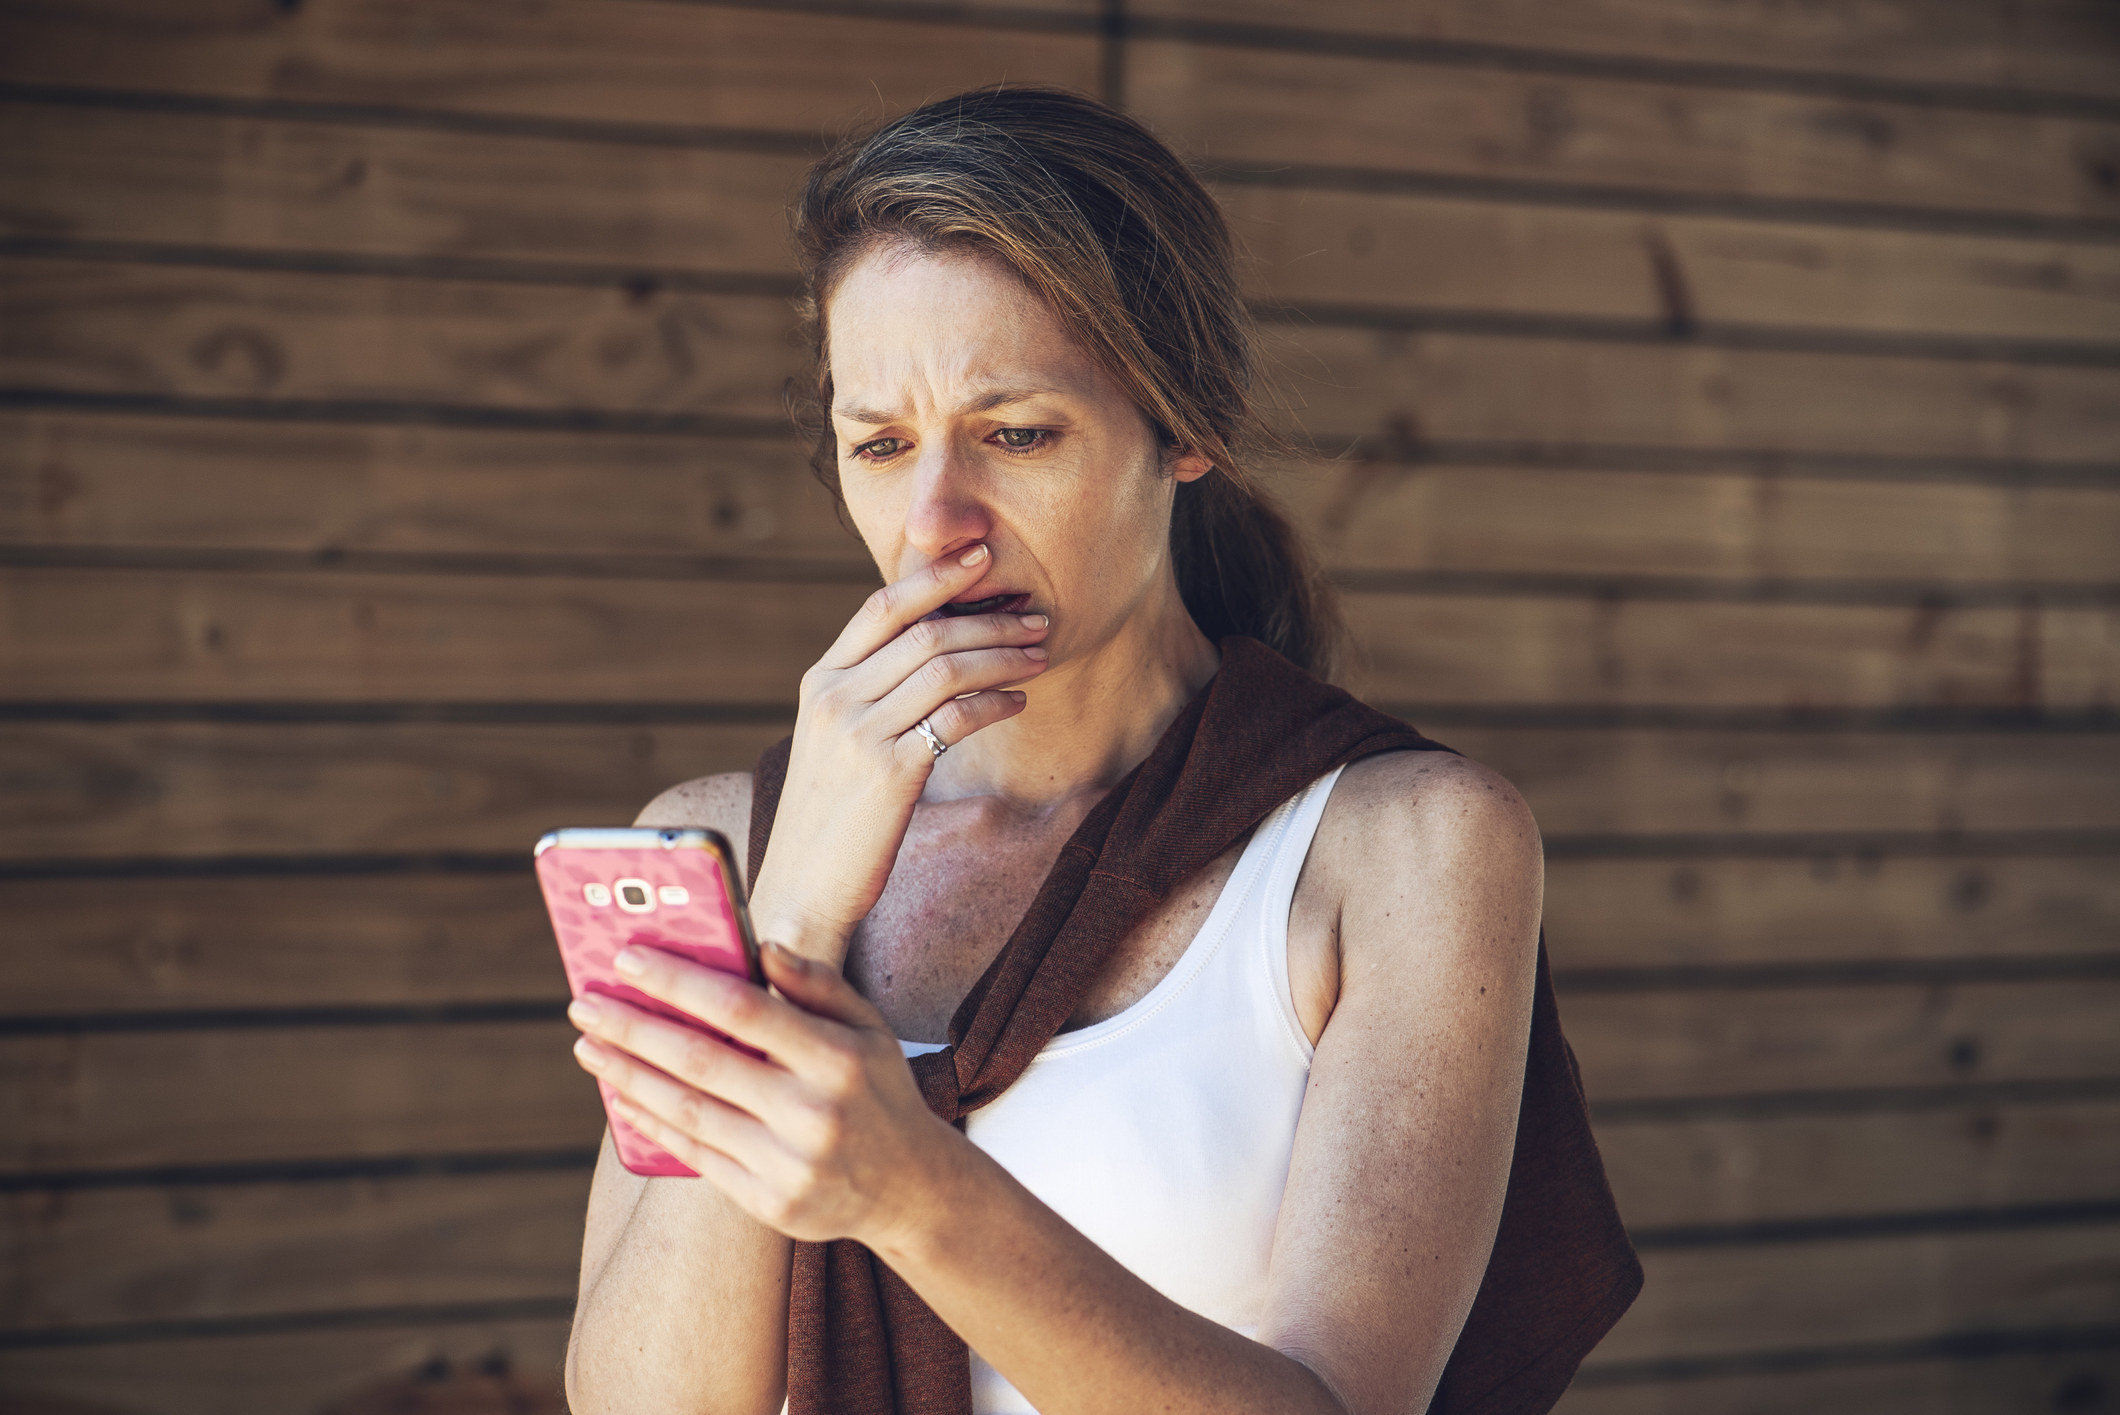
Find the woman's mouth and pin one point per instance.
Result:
(1008, 603)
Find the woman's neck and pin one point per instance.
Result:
(1087, 721)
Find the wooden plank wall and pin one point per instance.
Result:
(1722, 402)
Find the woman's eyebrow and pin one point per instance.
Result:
(984, 403)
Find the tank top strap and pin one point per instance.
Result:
(1277, 894)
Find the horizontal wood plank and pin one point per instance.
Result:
(733, 68)
(100, 1257)
(76, 633)
(153, 483)
(104, 1257)
(196, 790)
(1403, 391)
(1833, 908)
(1268, 106)
(152, 945)
(1636, 1045)
(2034, 1384)
(1325, 249)
(148, 1098)
(505, 348)
(91, 946)
(210, 182)
(1724, 1301)
(142, 1099)
(161, 331)
(112, 484)
(2061, 46)
(199, 790)
(1839, 1169)
(1382, 515)
(302, 1372)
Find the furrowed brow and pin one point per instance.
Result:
(984, 403)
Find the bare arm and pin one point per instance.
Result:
(684, 1297)
(1400, 1163)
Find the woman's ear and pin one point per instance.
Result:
(1188, 466)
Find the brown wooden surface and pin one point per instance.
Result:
(390, 470)
(1266, 107)
(290, 1373)
(1730, 1300)
(75, 634)
(1913, 1385)
(195, 790)
(160, 483)
(1833, 907)
(2056, 46)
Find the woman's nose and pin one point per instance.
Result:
(946, 510)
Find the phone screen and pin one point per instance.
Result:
(676, 890)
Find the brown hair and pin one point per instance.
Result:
(1132, 254)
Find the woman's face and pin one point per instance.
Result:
(964, 413)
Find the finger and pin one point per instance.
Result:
(790, 1035)
(959, 718)
(818, 988)
(704, 1160)
(886, 613)
(696, 1058)
(943, 679)
(701, 1118)
(929, 639)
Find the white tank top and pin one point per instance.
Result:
(1164, 1133)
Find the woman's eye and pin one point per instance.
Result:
(880, 449)
(1021, 439)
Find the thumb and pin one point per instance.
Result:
(815, 987)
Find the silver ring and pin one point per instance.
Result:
(935, 744)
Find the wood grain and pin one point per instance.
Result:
(1634, 1045)
(1679, 1174)
(155, 944)
(89, 327)
(98, 1257)
(95, 1257)
(147, 1098)
(77, 633)
(250, 184)
(1795, 1295)
(1994, 1385)
(293, 1373)
(1269, 106)
(1320, 248)
(736, 69)
(150, 945)
(241, 184)
(120, 483)
(1833, 908)
(196, 790)
(159, 331)
(1402, 390)
(2059, 46)
(141, 1099)
(1381, 515)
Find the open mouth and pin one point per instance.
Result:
(992, 604)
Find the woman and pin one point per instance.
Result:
(1226, 981)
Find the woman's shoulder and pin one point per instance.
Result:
(1432, 821)
(720, 803)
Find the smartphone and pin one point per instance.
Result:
(677, 890)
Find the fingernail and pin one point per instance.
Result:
(1034, 621)
(589, 1054)
(1035, 652)
(973, 556)
(583, 1012)
(631, 962)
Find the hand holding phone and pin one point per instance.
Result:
(676, 890)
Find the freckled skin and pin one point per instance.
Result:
(1411, 948)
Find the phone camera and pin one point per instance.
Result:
(635, 896)
(597, 895)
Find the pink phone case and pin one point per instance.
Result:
(675, 890)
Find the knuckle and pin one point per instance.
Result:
(928, 635)
(940, 673)
(880, 604)
(700, 1057)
